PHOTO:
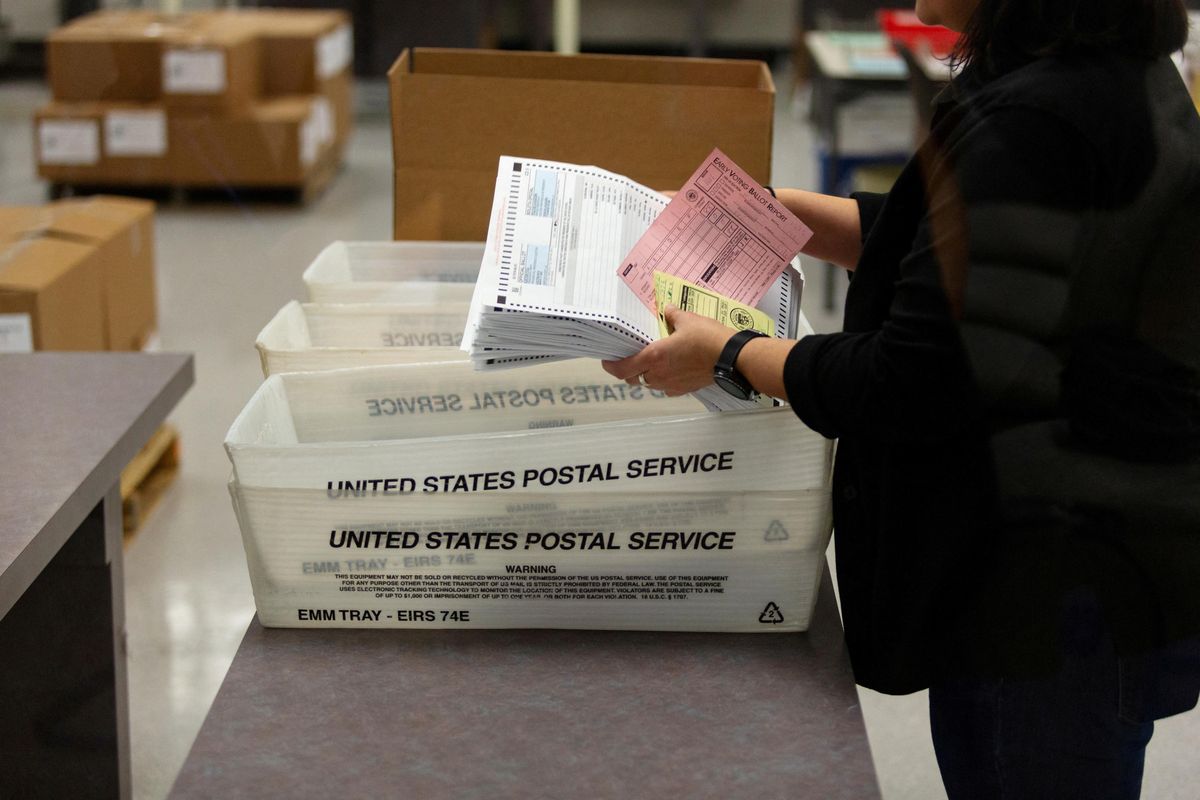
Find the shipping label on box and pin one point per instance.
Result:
(16, 333)
(69, 142)
(323, 113)
(334, 52)
(135, 133)
(194, 71)
(309, 135)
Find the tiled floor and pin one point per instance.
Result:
(224, 268)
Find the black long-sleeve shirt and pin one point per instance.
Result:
(1050, 220)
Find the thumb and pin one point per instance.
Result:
(672, 315)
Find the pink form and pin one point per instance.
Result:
(722, 230)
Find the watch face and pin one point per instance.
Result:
(732, 386)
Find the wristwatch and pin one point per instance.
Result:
(726, 375)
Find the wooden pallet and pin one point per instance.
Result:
(313, 186)
(147, 476)
(164, 194)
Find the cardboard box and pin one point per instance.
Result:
(276, 143)
(309, 52)
(109, 55)
(212, 64)
(339, 92)
(82, 273)
(123, 231)
(104, 142)
(50, 294)
(280, 142)
(302, 49)
(130, 83)
(455, 112)
(142, 144)
(195, 61)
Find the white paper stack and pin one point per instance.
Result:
(548, 287)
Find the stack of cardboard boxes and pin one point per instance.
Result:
(77, 275)
(256, 98)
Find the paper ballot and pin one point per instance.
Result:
(722, 231)
(548, 287)
(673, 290)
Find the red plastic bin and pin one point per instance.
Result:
(903, 25)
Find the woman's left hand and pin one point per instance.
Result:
(681, 363)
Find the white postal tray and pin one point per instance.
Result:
(414, 273)
(305, 337)
(682, 519)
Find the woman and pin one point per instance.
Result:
(1016, 395)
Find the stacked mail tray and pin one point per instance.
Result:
(320, 336)
(394, 272)
(430, 495)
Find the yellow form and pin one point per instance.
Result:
(707, 303)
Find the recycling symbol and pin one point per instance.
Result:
(776, 532)
(771, 614)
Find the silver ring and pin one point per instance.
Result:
(642, 379)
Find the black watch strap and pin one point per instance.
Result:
(734, 347)
(729, 354)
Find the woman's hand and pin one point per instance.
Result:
(681, 363)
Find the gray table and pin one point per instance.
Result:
(530, 714)
(69, 422)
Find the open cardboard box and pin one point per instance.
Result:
(79, 274)
(653, 119)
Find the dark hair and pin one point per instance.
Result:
(1004, 34)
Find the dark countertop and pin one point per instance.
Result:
(535, 713)
(69, 422)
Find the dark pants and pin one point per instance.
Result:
(1079, 733)
(1020, 740)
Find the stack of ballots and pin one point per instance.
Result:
(549, 287)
